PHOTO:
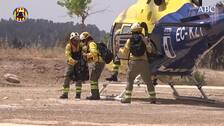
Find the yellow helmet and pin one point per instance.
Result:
(84, 35)
(136, 27)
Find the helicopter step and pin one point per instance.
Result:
(111, 97)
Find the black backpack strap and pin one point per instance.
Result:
(129, 53)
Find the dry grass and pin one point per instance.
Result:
(213, 77)
(55, 52)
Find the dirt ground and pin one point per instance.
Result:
(34, 102)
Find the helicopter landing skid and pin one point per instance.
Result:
(110, 97)
(203, 98)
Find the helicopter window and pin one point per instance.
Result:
(126, 30)
(159, 2)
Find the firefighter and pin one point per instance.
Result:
(136, 49)
(72, 53)
(93, 56)
(116, 61)
(117, 64)
(115, 70)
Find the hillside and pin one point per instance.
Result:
(41, 33)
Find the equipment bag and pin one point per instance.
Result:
(137, 46)
(105, 53)
(81, 71)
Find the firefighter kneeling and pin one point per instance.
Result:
(136, 50)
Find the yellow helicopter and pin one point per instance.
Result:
(168, 23)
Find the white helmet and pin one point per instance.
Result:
(136, 27)
(74, 35)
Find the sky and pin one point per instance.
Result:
(48, 9)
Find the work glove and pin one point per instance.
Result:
(84, 49)
(72, 61)
(117, 60)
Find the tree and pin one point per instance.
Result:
(79, 8)
(41, 33)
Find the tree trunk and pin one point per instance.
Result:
(83, 23)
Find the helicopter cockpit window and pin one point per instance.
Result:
(159, 2)
(126, 30)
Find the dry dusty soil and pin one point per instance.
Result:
(34, 102)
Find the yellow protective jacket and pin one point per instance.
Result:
(69, 51)
(93, 54)
(125, 52)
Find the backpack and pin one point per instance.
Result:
(137, 46)
(81, 71)
(105, 53)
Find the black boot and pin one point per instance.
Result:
(112, 78)
(126, 100)
(154, 82)
(95, 95)
(78, 96)
(127, 97)
(64, 96)
(152, 100)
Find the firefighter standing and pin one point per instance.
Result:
(72, 53)
(137, 64)
(93, 56)
(117, 63)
